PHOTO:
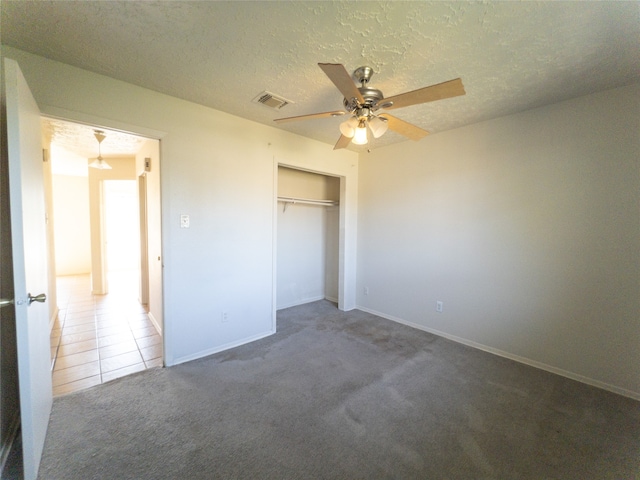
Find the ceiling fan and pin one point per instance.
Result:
(363, 103)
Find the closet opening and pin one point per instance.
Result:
(308, 229)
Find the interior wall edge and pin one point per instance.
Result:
(53, 317)
(274, 244)
(516, 358)
(155, 323)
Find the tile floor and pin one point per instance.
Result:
(97, 338)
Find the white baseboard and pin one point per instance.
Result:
(331, 299)
(527, 361)
(155, 322)
(227, 346)
(300, 302)
(5, 449)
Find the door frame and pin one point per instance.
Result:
(98, 122)
(144, 239)
(340, 238)
(347, 226)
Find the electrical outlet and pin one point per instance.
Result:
(366, 290)
(439, 306)
(224, 316)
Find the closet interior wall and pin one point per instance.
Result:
(308, 229)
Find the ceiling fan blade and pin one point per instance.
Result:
(310, 116)
(452, 88)
(404, 128)
(341, 79)
(343, 142)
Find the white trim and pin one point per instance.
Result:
(227, 346)
(331, 299)
(346, 272)
(274, 249)
(517, 358)
(301, 302)
(155, 322)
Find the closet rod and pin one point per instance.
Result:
(308, 201)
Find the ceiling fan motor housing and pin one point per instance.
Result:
(371, 97)
(363, 74)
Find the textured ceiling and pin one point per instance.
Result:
(511, 56)
(81, 140)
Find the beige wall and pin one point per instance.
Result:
(301, 184)
(526, 227)
(71, 224)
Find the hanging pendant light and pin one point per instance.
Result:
(99, 163)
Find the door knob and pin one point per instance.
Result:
(38, 298)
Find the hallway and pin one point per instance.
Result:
(97, 338)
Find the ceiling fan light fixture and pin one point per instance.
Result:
(360, 136)
(348, 128)
(378, 126)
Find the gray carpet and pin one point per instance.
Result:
(337, 395)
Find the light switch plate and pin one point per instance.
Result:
(184, 221)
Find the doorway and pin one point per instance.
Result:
(122, 226)
(106, 327)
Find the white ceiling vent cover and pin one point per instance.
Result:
(271, 100)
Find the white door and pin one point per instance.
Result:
(29, 245)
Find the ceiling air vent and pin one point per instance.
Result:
(271, 100)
